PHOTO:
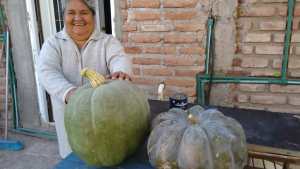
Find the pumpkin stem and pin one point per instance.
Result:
(95, 78)
(192, 119)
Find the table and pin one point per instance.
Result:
(270, 136)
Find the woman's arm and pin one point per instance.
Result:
(119, 63)
(50, 72)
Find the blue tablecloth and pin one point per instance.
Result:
(74, 162)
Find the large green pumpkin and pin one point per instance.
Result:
(196, 139)
(107, 123)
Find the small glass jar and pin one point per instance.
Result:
(178, 100)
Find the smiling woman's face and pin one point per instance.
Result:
(79, 20)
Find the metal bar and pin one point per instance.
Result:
(286, 165)
(255, 80)
(210, 25)
(263, 161)
(13, 89)
(6, 83)
(35, 133)
(250, 80)
(200, 91)
(287, 39)
(2, 17)
(202, 79)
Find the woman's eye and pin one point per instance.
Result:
(70, 13)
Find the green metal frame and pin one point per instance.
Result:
(13, 90)
(202, 79)
(16, 115)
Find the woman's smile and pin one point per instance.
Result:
(79, 21)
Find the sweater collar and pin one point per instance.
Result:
(96, 35)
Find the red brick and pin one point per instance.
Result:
(169, 50)
(258, 37)
(133, 50)
(294, 63)
(268, 99)
(124, 15)
(157, 72)
(145, 38)
(257, 11)
(283, 109)
(200, 36)
(242, 98)
(2, 72)
(273, 1)
(2, 81)
(298, 50)
(171, 90)
(255, 62)
(248, 1)
(143, 16)
(297, 10)
(123, 4)
(136, 71)
(277, 63)
(264, 73)
(124, 37)
(152, 50)
(156, 28)
(246, 49)
(278, 37)
(236, 62)
(192, 50)
(269, 50)
(272, 25)
(145, 4)
(189, 27)
(179, 3)
(252, 87)
(294, 74)
(294, 100)
(237, 73)
(146, 61)
(187, 72)
(2, 92)
(129, 28)
(180, 15)
(180, 38)
(244, 23)
(179, 61)
(282, 10)
(285, 88)
(187, 82)
(296, 37)
(296, 24)
(145, 80)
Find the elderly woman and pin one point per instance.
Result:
(77, 46)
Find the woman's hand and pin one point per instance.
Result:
(69, 94)
(119, 75)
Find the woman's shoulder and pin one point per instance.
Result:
(54, 40)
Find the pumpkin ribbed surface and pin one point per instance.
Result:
(106, 124)
(196, 139)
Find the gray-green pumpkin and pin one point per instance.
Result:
(196, 139)
(106, 124)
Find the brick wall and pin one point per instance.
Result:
(166, 39)
(261, 25)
